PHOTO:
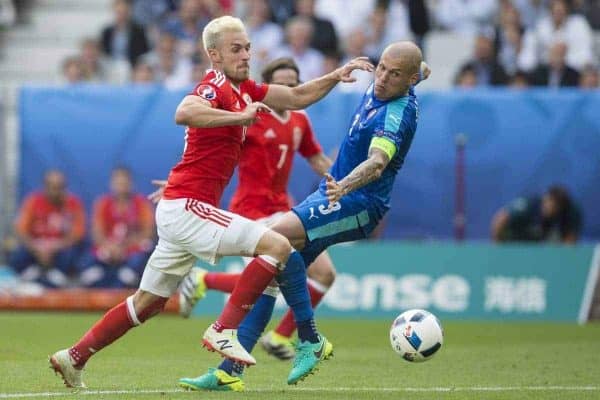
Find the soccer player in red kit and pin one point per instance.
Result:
(189, 223)
(264, 170)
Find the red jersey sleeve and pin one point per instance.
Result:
(309, 146)
(257, 91)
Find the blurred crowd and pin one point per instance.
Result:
(56, 246)
(516, 42)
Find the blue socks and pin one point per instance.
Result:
(292, 283)
(251, 328)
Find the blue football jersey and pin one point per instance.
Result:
(394, 120)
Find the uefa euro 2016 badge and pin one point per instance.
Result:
(206, 92)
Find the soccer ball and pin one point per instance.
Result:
(416, 335)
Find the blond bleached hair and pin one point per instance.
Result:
(213, 30)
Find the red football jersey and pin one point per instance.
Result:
(119, 224)
(266, 163)
(211, 154)
(41, 219)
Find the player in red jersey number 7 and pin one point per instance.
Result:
(190, 225)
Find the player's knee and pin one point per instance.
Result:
(280, 248)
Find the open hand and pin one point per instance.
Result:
(344, 72)
(333, 189)
(250, 113)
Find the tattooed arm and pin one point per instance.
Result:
(364, 173)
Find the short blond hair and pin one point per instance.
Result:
(213, 30)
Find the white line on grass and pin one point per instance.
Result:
(318, 389)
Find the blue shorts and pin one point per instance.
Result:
(349, 219)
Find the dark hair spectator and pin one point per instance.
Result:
(551, 217)
(124, 39)
(556, 73)
(484, 64)
(466, 77)
(324, 36)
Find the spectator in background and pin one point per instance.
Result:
(186, 25)
(281, 10)
(591, 10)
(151, 12)
(331, 62)
(324, 37)
(554, 217)
(377, 23)
(519, 80)
(124, 40)
(73, 70)
(8, 15)
(466, 77)
(95, 67)
(345, 16)
(487, 69)
(465, 16)
(142, 73)
(508, 37)
(355, 45)
(265, 35)
(559, 26)
(531, 11)
(169, 68)
(556, 73)
(404, 20)
(589, 78)
(50, 227)
(122, 234)
(298, 32)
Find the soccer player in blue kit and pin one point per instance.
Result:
(347, 206)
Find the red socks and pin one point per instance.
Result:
(287, 325)
(251, 283)
(221, 281)
(112, 326)
(115, 323)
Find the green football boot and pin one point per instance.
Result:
(308, 356)
(214, 380)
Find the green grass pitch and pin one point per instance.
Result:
(477, 361)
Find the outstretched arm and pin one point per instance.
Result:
(302, 96)
(364, 173)
(197, 112)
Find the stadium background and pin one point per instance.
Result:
(518, 142)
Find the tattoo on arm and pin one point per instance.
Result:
(366, 172)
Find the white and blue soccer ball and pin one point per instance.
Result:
(416, 335)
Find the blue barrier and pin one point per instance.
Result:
(519, 142)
